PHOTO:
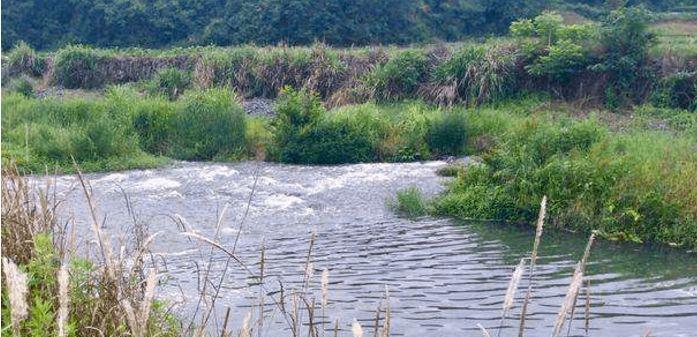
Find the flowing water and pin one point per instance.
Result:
(444, 276)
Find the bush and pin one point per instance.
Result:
(75, 66)
(409, 203)
(677, 91)
(476, 74)
(208, 124)
(626, 39)
(172, 82)
(23, 86)
(304, 134)
(22, 59)
(447, 135)
(399, 77)
(153, 120)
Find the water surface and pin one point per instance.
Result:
(444, 276)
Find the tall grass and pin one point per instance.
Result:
(628, 185)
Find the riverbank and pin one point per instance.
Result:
(625, 174)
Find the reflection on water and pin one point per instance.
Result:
(444, 276)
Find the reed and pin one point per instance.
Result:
(17, 289)
(533, 258)
(356, 329)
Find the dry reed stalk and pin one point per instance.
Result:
(223, 331)
(356, 329)
(244, 331)
(513, 286)
(533, 259)
(377, 320)
(571, 293)
(485, 333)
(584, 261)
(324, 283)
(336, 328)
(63, 299)
(262, 260)
(17, 289)
(510, 292)
(388, 315)
(569, 303)
(587, 313)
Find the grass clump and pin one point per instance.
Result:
(53, 132)
(22, 85)
(409, 202)
(304, 134)
(447, 133)
(399, 77)
(23, 59)
(75, 66)
(170, 82)
(208, 124)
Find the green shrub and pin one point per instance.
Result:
(626, 39)
(153, 120)
(172, 82)
(22, 85)
(75, 66)
(53, 132)
(409, 202)
(477, 74)
(304, 134)
(23, 59)
(399, 77)
(677, 91)
(447, 135)
(208, 124)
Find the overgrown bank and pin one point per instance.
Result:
(616, 62)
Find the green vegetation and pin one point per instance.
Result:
(609, 62)
(629, 185)
(409, 203)
(305, 132)
(121, 130)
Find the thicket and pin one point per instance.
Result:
(629, 185)
(121, 130)
(608, 63)
(305, 132)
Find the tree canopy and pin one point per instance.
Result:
(48, 24)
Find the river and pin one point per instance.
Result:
(444, 276)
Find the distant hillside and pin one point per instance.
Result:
(48, 24)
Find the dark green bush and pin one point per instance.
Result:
(154, 123)
(172, 82)
(447, 133)
(75, 66)
(629, 186)
(208, 124)
(398, 78)
(22, 85)
(23, 59)
(304, 134)
(677, 91)
(626, 40)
